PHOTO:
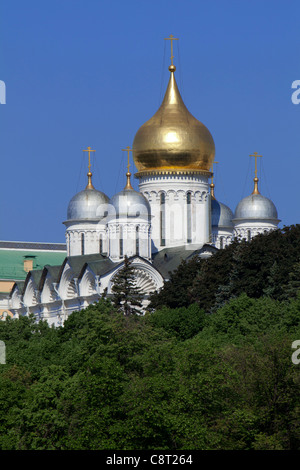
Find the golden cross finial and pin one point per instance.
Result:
(128, 174)
(89, 150)
(255, 190)
(255, 155)
(171, 38)
(212, 186)
(128, 149)
(89, 185)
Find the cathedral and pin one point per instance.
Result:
(173, 217)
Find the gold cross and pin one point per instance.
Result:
(171, 38)
(255, 155)
(89, 185)
(89, 150)
(128, 174)
(255, 190)
(128, 149)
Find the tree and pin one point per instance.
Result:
(127, 297)
(291, 289)
(267, 265)
(182, 322)
(175, 292)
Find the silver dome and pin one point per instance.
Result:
(221, 215)
(129, 203)
(88, 204)
(256, 206)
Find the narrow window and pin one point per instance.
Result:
(121, 242)
(189, 217)
(100, 244)
(82, 243)
(162, 220)
(221, 243)
(137, 242)
(248, 235)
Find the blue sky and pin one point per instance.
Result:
(82, 73)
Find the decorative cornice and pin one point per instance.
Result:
(246, 220)
(199, 195)
(178, 172)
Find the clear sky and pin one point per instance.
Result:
(82, 73)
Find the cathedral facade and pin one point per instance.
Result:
(173, 217)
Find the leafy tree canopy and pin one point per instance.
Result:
(211, 369)
(267, 265)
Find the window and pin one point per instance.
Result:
(189, 217)
(137, 241)
(82, 243)
(162, 220)
(101, 244)
(121, 242)
(221, 243)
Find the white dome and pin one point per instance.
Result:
(221, 215)
(256, 206)
(88, 204)
(129, 203)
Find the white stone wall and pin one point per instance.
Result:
(248, 229)
(176, 190)
(92, 231)
(127, 231)
(221, 237)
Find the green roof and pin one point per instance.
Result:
(168, 259)
(12, 262)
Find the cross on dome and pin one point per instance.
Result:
(89, 175)
(255, 190)
(172, 67)
(128, 174)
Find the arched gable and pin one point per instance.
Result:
(31, 293)
(67, 287)
(147, 277)
(48, 292)
(15, 297)
(87, 283)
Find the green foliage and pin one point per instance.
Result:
(175, 292)
(197, 280)
(292, 286)
(267, 265)
(183, 322)
(212, 372)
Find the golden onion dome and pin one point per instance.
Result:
(173, 139)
